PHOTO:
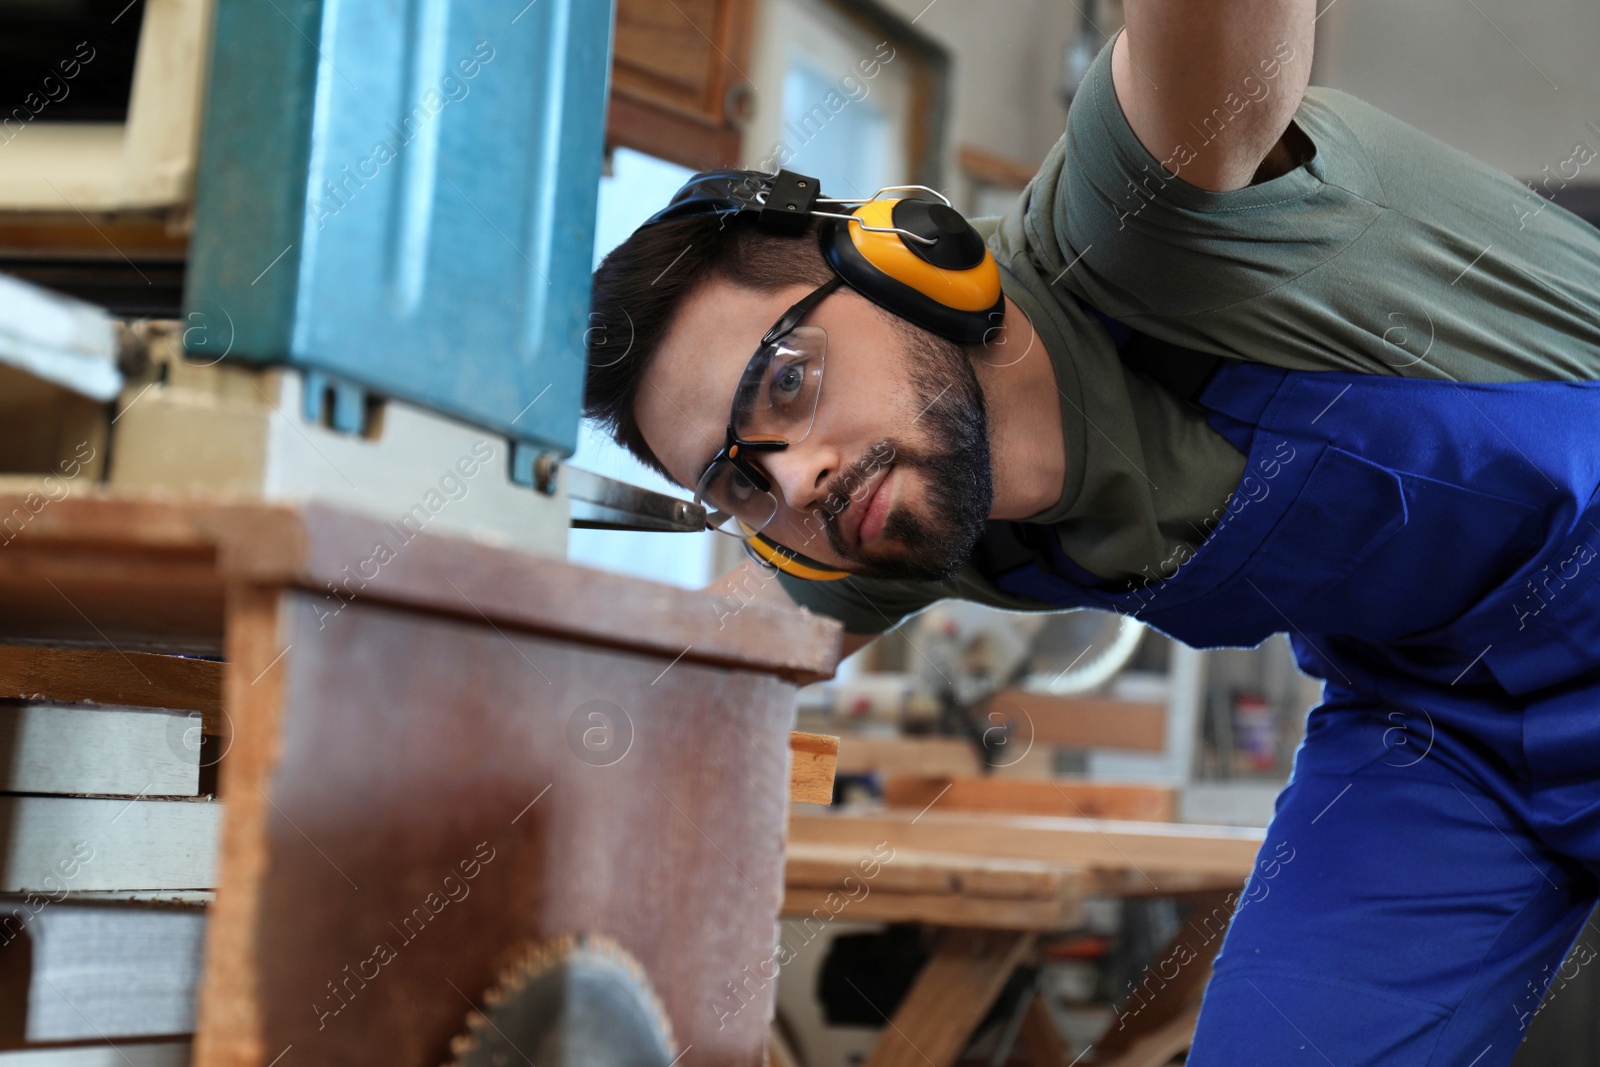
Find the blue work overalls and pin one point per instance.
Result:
(1430, 549)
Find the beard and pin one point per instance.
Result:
(957, 477)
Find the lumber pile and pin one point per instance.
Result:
(108, 855)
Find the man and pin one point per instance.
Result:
(1395, 462)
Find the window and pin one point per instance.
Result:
(636, 188)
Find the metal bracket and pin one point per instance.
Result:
(601, 503)
(349, 408)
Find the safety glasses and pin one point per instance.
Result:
(774, 405)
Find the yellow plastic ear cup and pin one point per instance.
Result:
(974, 289)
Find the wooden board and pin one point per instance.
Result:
(938, 909)
(74, 749)
(1084, 722)
(1147, 851)
(941, 889)
(62, 844)
(1085, 800)
(95, 676)
(949, 998)
(890, 756)
(163, 584)
(816, 866)
(812, 758)
(679, 88)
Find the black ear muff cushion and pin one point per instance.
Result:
(957, 245)
(964, 327)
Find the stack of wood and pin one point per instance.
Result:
(108, 851)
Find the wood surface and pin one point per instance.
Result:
(1148, 851)
(140, 572)
(676, 69)
(1162, 1045)
(950, 996)
(1086, 800)
(230, 1026)
(1177, 975)
(382, 753)
(1084, 721)
(815, 866)
(940, 889)
(55, 844)
(941, 909)
(891, 756)
(1043, 1042)
(106, 676)
(46, 748)
(812, 758)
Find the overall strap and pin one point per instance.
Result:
(1026, 559)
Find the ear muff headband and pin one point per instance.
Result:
(791, 562)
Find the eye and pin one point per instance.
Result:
(788, 382)
(738, 488)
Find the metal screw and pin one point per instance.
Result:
(545, 468)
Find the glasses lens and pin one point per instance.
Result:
(778, 393)
(725, 489)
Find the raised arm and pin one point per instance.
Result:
(1209, 86)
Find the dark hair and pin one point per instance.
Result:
(641, 284)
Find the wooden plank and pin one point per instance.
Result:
(101, 566)
(812, 758)
(827, 866)
(1084, 722)
(55, 844)
(93, 676)
(1044, 1043)
(1087, 800)
(67, 749)
(1148, 849)
(1158, 998)
(889, 756)
(670, 135)
(1161, 1046)
(950, 997)
(939, 909)
(229, 1014)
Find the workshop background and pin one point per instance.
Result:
(1006, 727)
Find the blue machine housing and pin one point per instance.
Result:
(399, 197)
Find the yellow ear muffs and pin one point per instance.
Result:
(789, 561)
(951, 287)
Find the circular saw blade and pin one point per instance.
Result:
(578, 1000)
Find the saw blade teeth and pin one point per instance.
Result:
(531, 961)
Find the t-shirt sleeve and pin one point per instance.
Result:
(1384, 251)
(1137, 240)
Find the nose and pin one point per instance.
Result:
(800, 473)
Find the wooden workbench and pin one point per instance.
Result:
(994, 882)
(385, 721)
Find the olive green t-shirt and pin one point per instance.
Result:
(1385, 252)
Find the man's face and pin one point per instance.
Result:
(893, 480)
